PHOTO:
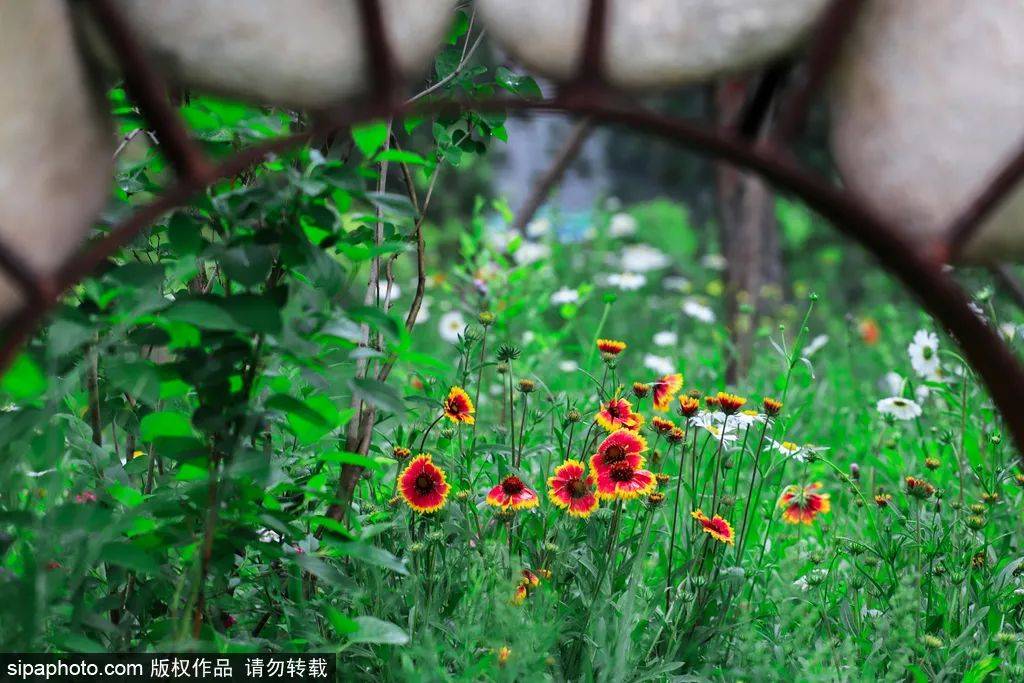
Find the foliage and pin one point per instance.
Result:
(176, 440)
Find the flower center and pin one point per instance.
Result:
(927, 353)
(621, 472)
(512, 485)
(614, 454)
(424, 484)
(576, 488)
(613, 410)
(899, 403)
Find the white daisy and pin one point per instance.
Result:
(622, 225)
(568, 366)
(565, 295)
(531, 252)
(538, 227)
(924, 354)
(726, 437)
(790, 449)
(666, 338)
(746, 418)
(676, 283)
(627, 282)
(698, 311)
(659, 364)
(893, 382)
(714, 262)
(815, 345)
(383, 290)
(641, 258)
(451, 326)
(898, 407)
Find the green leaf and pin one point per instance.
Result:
(185, 234)
(126, 495)
(164, 424)
(320, 569)
(342, 624)
(373, 630)
(524, 86)
(379, 394)
(201, 314)
(129, 556)
(24, 380)
(289, 405)
(370, 137)
(346, 458)
(309, 431)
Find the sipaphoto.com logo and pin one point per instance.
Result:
(70, 668)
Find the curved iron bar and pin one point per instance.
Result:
(938, 292)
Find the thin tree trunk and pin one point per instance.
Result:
(750, 242)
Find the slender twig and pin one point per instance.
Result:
(147, 88)
(559, 165)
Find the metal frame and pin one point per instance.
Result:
(920, 270)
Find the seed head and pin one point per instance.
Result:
(573, 415)
(400, 453)
(640, 390)
(508, 353)
(932, 463)
(486, 318)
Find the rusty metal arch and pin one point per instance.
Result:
(920, 270)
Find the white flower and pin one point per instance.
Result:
(499, 239)
(714, 262)
(978, 311)
(659, 364)
(699, 311)
(627, 282)
(676, 283)
(900, 408)
(924, 354)
(383, 287)
(894, 383)
(531, 252)
(568, 366)
(528, 337)
(1008, 330)
(565, 295)
(451, 326)
(622, 225)
(726, 437)
(496, 390)
(816, 344)
(538, 227)
(745, 418)
(790, 449)
(641, 258)
(666, 338)
(269, 536)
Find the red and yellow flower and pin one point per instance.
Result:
(571, 489)
(661, 425)
(716, 527)
(688, 406)
(618, 414)
(802, 504)
(730, 403)
(619, 446)
(512, 494)
(458, 407)
(624, 481)
(527, 583)
(665, 390)
(422, 485)
(612, 347)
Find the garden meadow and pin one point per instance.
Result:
(340, 403)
